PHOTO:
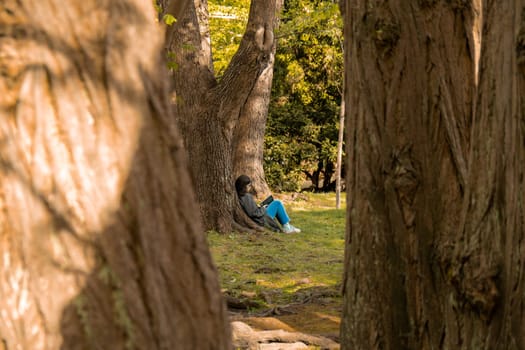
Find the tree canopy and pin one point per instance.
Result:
(228, 20)
(301, 139)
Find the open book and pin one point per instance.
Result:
(267, 201)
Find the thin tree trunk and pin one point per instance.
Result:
(339, 164)
(101, 239)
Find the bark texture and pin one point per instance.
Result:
(210, 111)
(248, 137)
(101, 239)
(489, 281)
(410, 75)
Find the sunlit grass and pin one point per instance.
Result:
(315, 201)
(283, 264)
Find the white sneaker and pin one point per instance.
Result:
(287, 228)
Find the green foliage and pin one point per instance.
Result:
(157, 7)
(302, 128)
(80, 304)
(169, 19)
(170, 61)
(228, 20)
(108, 277)
(281, 155)
(123, 318)
(285, 264)
(306, 96)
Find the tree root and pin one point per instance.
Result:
(242, 228)
(242, 223)
(239, 304)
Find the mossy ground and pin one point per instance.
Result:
(295, 279)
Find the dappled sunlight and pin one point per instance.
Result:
(312, 319)
(328, 317)
(268, 323)
(287, 282)
(94, 191)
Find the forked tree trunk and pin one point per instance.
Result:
(248, 137)
(410, 76)
(101, 239)
(209, 111)
(488, 277)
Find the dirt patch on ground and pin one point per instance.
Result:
(317, 318)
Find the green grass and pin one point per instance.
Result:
(273, 268)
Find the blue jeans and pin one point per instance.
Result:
(276, 210)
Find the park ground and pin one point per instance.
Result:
(282, 281)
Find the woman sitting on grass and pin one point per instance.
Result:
(275, 209)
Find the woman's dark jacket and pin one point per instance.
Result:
(257, 213)
(251, 208)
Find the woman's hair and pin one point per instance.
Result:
(241, 183)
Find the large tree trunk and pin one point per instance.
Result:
(101, 239)
(488, 276)
(209, 112)
(410, 74)
(248, 139)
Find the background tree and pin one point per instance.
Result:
(210, 109)
(302, 134)
(248, 138)
(286, 161)
(101, 241)
(339, 159)
(227, 24)
(411, 84)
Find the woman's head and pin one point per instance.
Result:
(241, 184)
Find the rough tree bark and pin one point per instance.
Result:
(209, 113)
(410, 75)
(490, 262)
(101, 241)
(248, 137)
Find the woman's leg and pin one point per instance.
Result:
(276, 210)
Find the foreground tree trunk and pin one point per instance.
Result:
(488, 276)
(209, 112)
(410, 77)
(101, 239)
